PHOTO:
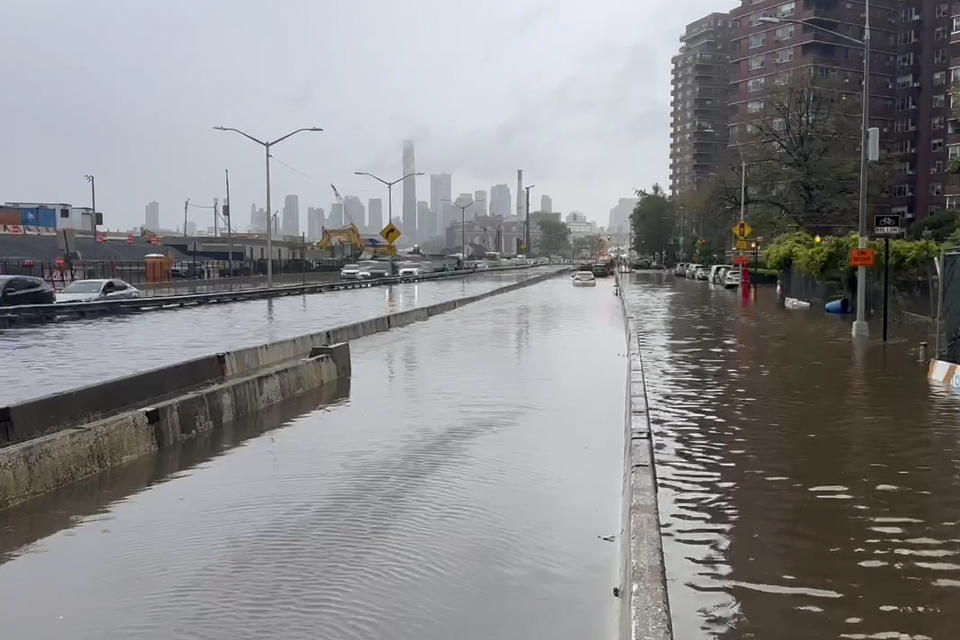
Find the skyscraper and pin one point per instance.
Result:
(480, 198)
(375, 215)
(336, 216)
(441, 192)
(353, 211)
(315, 223)
(409, 193)
(500, 200)
(290, 224)
(423, 219)
(152, 216)
(546, 204)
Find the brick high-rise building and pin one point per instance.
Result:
(699, 92)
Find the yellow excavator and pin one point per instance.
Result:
(364, 247)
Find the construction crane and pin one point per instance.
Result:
(364, 247)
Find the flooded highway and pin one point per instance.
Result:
(42, 359)
(457, 489)
(807, 489)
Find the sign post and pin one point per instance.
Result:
(886, 226)
(742, 230)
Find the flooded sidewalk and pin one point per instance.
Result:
(807, 489)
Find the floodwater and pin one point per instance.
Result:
(458, 489)
(808, 489)
(42, 359)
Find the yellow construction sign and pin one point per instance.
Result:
(741, 245)
(390, 233)
(742, 230)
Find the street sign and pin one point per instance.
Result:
(741, 261)
(741, 245)
(390, 233)
(886, 225)
(742, 230)
(861, 258)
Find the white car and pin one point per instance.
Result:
(97, 290)
(691, 271)
(350, 272)
(408, 269)
(584, 279)
(715, 271)
(701, 273)
(732, 279)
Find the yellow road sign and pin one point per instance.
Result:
(742, 230)
(390, 233)
(391, 249)
(741, 245)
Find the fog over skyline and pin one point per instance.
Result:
(576, 94)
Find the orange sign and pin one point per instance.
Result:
(741, 261)
(861, 258)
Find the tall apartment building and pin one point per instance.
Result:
(546, 204)
(152, 216)
(315, 222)
(441, 192)
(500, 200)
(375, 215)
(699, 94)
(426, 222)
(353, 211)
(480, 208)
(290, 224)
(409, 185)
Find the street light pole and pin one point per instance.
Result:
(860, 326)
(463, 242)
(526, 233)
(266, 146)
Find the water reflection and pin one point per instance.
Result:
(809, 487)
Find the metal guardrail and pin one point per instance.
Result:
(69, 310)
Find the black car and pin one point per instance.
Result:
(16, 290)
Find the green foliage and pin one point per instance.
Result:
(830, 258)
(937, 227)
(554, 238)
(586, 246)
(653, 222)
(787, 248)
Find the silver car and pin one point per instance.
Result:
(97, 291)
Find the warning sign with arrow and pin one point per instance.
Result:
(390, 233)
(742, 230)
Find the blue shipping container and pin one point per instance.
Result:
(47, 218)
(28, 217)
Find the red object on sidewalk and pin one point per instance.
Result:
(745, 283)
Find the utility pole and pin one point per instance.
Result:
(216, 225)
(226, 216)
(185, 205)
(93, 204)
(526, 236)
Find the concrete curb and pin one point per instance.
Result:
(40, 465)
(645, 606)
(86, 431)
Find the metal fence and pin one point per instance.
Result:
(60, 273)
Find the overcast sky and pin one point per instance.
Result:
(576, 93)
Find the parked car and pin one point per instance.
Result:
(732, 279)
(680, 269)
(701, 272)
(413, 269)
(721, 273)
(97, 290)
(584, 279)
(17, 290)
(691, 271)
(713, 276)
(350, 272)
(374, 269)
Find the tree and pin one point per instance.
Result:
(554, 238)
(586, 246)
(653, 222)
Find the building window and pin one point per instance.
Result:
(905, 60)
(782, 79)
(785, 55)
(907, 37)
(937, 123)
(955, 74)
(939, 100)
(936, 167)
(754, 106)
(956, 24)
(756, 40)
(953, 202)
(904, 82)
(64, 213)
(785, 34)
(939, 78)
(901, 191)
(786, 10)
(902, 168)
(939, 55)
(940, 33)
(756, 62)
(778, 124)
(905, 103)
(936, 145)
(943, 9)
(936, 188)
(754, 85)
(953, 152)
